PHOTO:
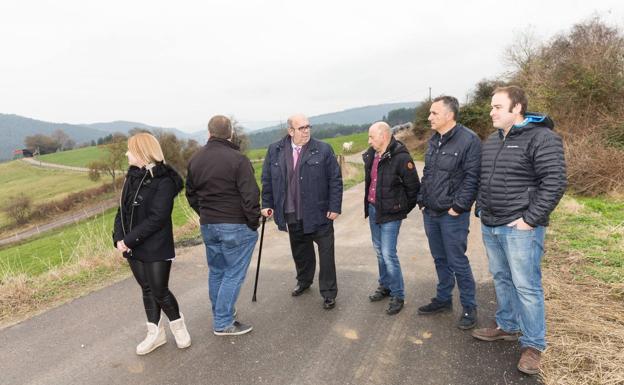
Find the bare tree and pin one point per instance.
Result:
(239, 136)
(113, 161)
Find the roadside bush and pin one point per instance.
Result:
(422, 127)
(578, 79)
(49, 209)
(18, 208)
(593, 168)
(94, 171)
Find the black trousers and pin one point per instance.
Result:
(153, 277)
(302, 247)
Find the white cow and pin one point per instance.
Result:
(347, 146)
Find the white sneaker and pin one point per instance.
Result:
(182, 336)
(155, 337)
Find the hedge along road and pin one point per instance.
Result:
(92, 339)
(84, 213)
(61, 221)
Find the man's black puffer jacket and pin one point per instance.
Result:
(523, 174)
(397, 183)
(143, 220)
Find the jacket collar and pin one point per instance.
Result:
(437, 138)
(224, 142)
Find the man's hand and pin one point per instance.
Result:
(520, 224)
(332, 216)
(452, 212)
(268, 213)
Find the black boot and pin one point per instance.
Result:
(379, 294)
(468, 319)
(435, 307)
(396, 304)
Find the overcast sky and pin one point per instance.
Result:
(176, 63)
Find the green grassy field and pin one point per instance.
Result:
(41, 185)
(80, 157)
(66, 245)
(256, 153)
(360, 142)
(591, 229)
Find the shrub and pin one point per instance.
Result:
(18, 208)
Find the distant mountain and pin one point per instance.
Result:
(124, 126)
(350, 117)
(14, 129)
(359, 115)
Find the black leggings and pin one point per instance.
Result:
(154, 280)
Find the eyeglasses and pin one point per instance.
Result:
(303, 128)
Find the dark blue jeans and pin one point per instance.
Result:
(385, 238)
(448, 239)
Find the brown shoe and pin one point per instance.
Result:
(530, 361)
(494, 334)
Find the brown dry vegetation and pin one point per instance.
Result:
(578, 79)
(585, 317)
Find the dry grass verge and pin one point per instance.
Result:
(585, 330)
(585, 312)
(94, 264)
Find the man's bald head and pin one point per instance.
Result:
(381, 127)
(299, 129)
(379, 136)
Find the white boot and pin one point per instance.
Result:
(155, 337)
(178, 328)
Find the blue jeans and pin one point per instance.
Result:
(228, 251)
(448, 239)
(385, 237)
(515, 263)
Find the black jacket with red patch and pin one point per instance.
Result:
(397, 183)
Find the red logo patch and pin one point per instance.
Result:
(410, 165)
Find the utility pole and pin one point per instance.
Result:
(429, 93)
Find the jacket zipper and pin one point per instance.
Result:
(135, 197)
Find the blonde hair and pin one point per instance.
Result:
(146, 148)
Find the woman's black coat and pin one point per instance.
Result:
(143, 220)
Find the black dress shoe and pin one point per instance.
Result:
(329, 303)
(298, 290)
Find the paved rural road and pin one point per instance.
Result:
(91, 340)
(38, 163)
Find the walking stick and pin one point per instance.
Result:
(253, 299)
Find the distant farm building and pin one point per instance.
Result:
(22, 153)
